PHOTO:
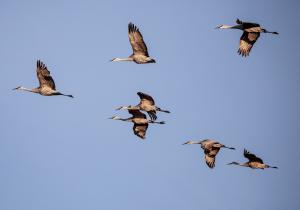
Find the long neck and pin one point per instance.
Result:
(33, 90)
(128, 108)
(122, 59)
(123, 119)
(232, 27)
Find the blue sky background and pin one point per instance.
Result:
(64, 154)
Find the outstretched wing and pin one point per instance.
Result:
(247, 24)
(44, 76)
(140, 130)
(251, 157)
(146, 98)
(136, 40)
(210, 155)
(137, 113)
(247, 41)
(210, 161)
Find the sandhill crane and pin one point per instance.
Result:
(140, 53)
(251, 34)
(211, 149)
(47, 85)
(140, 122)
(146, 104)
(254, 162)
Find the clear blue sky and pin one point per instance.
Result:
(64, 154)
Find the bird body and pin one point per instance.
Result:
(211, 149)
(146, 104)
(254, 162)
(46, 82)
(140, 52)
(140, 122)
(250, 35)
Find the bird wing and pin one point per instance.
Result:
(137, 113)
(247, 41)
(136, 40)
(44, 76)
(251, 157)
(146, 98)
(247, 24)
(140, 130)
(210, 152)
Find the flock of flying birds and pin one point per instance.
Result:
(140, 55)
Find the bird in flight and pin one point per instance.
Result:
(254, 161)
(140, 53)
(146, 104)
(251, 32)
(47, 85)
(211, 149)
(140, 122)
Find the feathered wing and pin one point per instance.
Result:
(247, 24)
(146, 99)
(247, 41)
(251, 157)
(137, 113)
(136, 40)
(140, 130)
(210, 156)
(44, 76)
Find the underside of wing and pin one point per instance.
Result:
(247, 41)
(210, 161)
(137, 113)
(44, 76)
(146, 97)
(136, 40)
(152, 115)
(140, 130)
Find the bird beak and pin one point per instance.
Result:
(16, 88)
(185, 143)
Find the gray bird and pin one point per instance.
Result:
(47, 85)
(140, 53)
(140, 122)
(254, 162)
(146, 104)
(251, 34)
(211, 149)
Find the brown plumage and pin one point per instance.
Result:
(140, 53)
(140, 122)
(250, 35)
(211, 149)
(46, 82)
(254, 161)
(146, 104)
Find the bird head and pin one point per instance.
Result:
(191, 142)
(219, 26)
(114, 118)
(18, 88)
(114, 59)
